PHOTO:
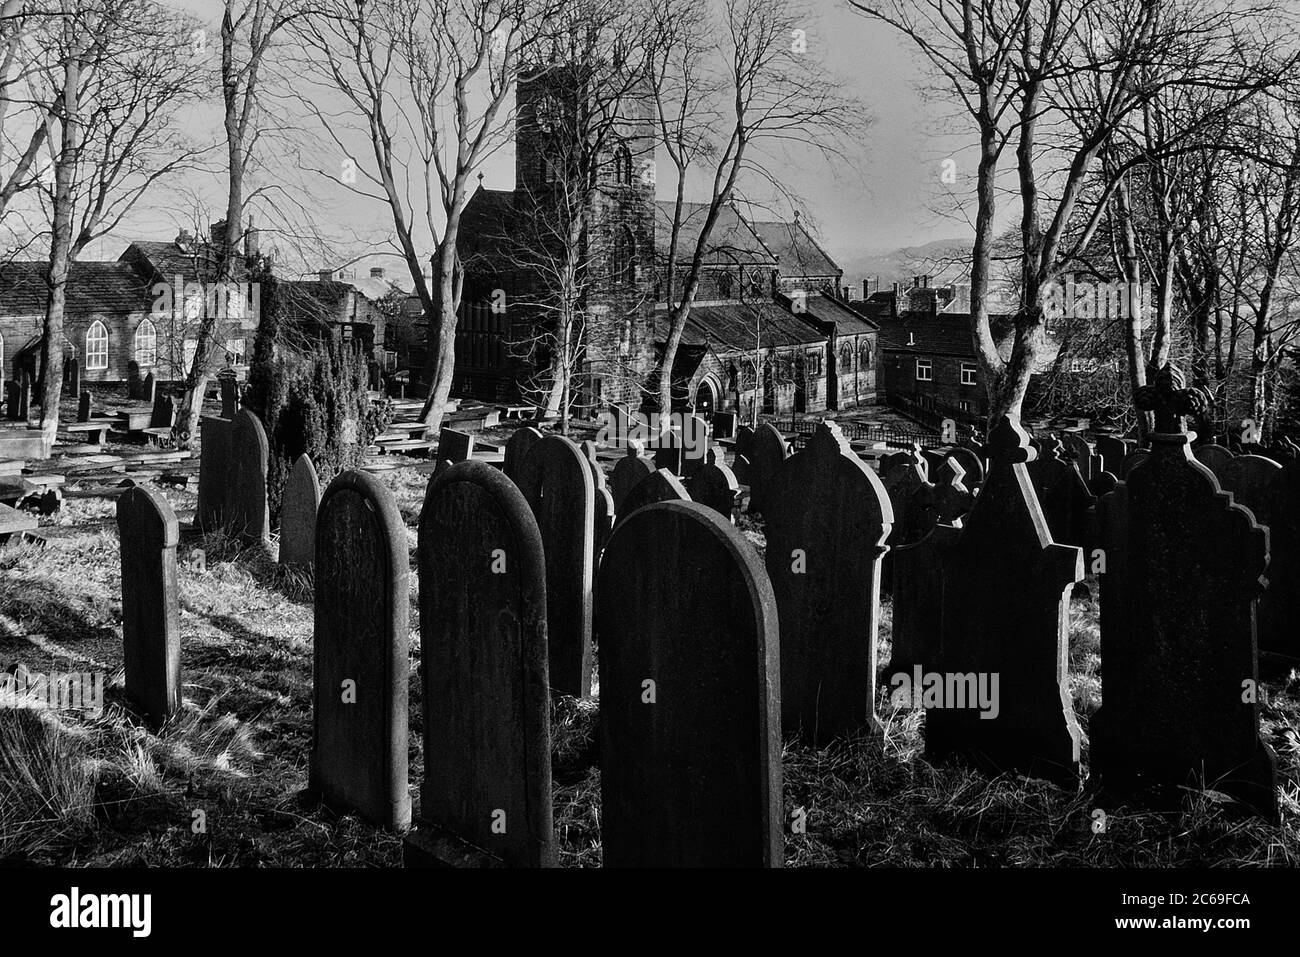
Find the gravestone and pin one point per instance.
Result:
(628, 472)
(1112, 450)
(1250, 479)
(83, 407)
(229, 396)
(603, 513)
(361, 647)
(972, 465)
(1183, 567)
(715, 485)
(690, 702)
(668, 453)
(917, 582)
(298, 510)
(24, 396)
(1213, 457)
(620, 425)
(1014, 630)
(1256, 483)
(247, 515)
(1132, 461)
(1080, 452)
(11, 399)
(1063, 496)
(164, 412)
(454, 446)
(945, 501)
(901, 479)
(659, 486)
(72, 377)
(740, 461)
(827, 519)
(556, 481)
(517, 447)
(486, 795)
(724, 425)
(1279, 613)
(215, 473)
(766, 453)
(151, 630)
(148, 392)
(133, 384)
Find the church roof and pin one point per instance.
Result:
(93, 286)
(741, 327)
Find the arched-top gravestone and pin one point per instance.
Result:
(603, 512)
(216, 478)
(556, 481)
(361, 648)
(944, 501)
(659, 486)
(827, 519)
(517, 447)
(715, 485)
(487, 731)
(1064, 497)
(628, 472)
(1132, 461)
(740, 460)
(901, 477)
(1213, 457)
(151, 631)
(246, 508)
(1183, 567)
(298, 509)
(690, 703)
(1112, 450)
(1014, 628)
(83, 407)
(1280, 612)
(766, 453)
(1250, 479)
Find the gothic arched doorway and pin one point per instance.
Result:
(706, 397)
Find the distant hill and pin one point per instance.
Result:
(943, 260)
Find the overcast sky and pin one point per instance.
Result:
(887, 195)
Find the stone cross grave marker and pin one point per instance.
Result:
(556, 481)
(1183, 570)
(151, 630)
(361, 648)
(827, 519)
(486, 796)
(690, 703)
(298, 510)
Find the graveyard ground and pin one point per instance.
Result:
(221, 784)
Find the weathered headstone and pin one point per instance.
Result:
(1080, 452)
(766, 453)
(1213, 457)
(24, 396)
(1250, 479)
(247, 515)
(1005, 644)
(298, 510)
(556, 481)
(628, 472)
(133, 384)
(229, 396)
(148, 392)
(827, 518)
(83, 407)
(1182, 573)
(1064, 497)
(517, 447)
(902, 478)
(72, 377)
(454, 446)
(724, 425)
(361, 648)
(216, 488)
(1280, 611)
(715, 485)
(659, 486)
(690, 705)
(1112, 450)
(164, 412)
(151, 630)
(486, 795)
(972, 465)
(603, 513)
(741, 460)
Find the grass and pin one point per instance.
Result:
(222, 783)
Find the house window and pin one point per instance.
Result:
(814, 364)
(146, 344)
(623, 166)
(924, 370)
(235, 351)
(968, 373)
(96, 346)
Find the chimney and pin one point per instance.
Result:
(250, 241)
(326, 275)
(846, 293)
(218, 232)
(183, 240)
(897, 305)
(376, 272)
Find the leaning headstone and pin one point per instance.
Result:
(83, 407)
(628, 472)
(151, 630)
(164, 412)
(1004, 646)
(298, 510)
(1182, 573)
(486, 796)
(517, 447)
(454, 446)
(659, 486)
(715, 485)
(690, 705)
(247, 515)
(1064, 497)
(827, 518)
(766, 453)
(1213, 457)
(216, 483)
(361, 648)
(724, 425)
(556, 481)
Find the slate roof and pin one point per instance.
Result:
(197, 263)
(93, 286)
(732, 242)
(847, 322)
(734, 327)
(796, 252)
(947, 333)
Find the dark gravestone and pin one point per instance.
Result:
(766, 453)
(246, 511)
(917, 622)
(24, 397)
(11, 399)
(902, 478)
(487, 731)
(628, 473)
(945, 501)
(971, 463)
(133, 386)
(361, 638)
(1279, 614)
(517, 447)
(215, 474)
(454, 446)
(556, 481)
(1183, 567)
(1112, 450)
(659, 486)
(164, 412)
(690, 703)
(83, 407)
(72, 377)
(1132, 461)
(1250, 479)
(741, 460)
(1014, 629)
(724, 425)
(668, 453)
(1064, 497)
(715, 485)
(603, 511)
(151, 630)
(298, 510)
(1254, 481)
(1078, 451)
(1102, 483)
(229, 396)
(1213, 457)
(148, 392)
(827, 519)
